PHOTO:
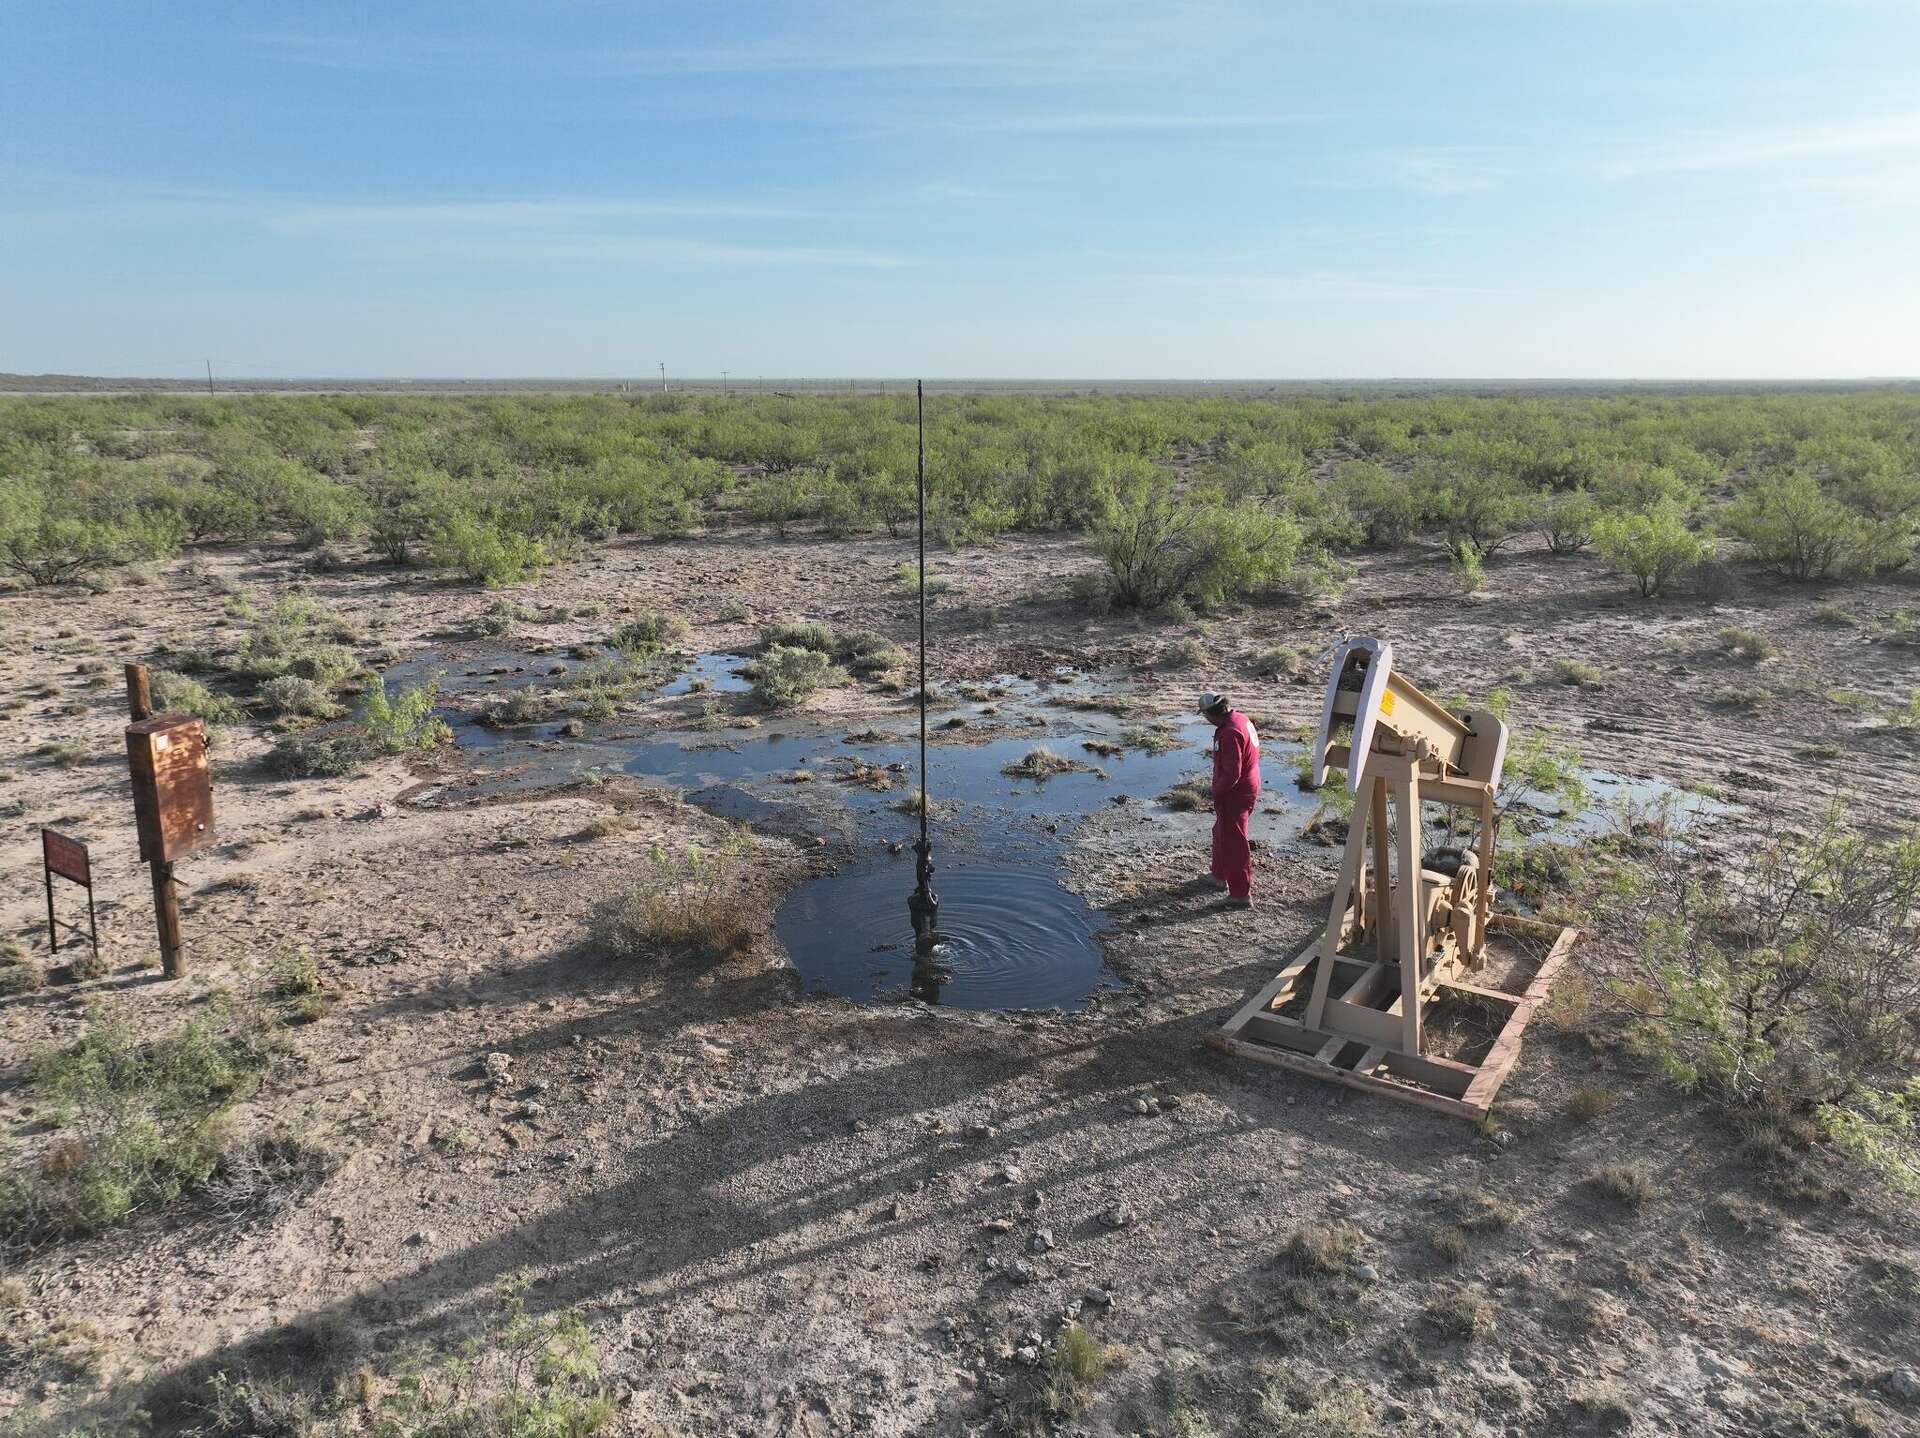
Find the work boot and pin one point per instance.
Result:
(1213, 883)
(1240, 901)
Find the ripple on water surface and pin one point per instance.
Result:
(1011, 938)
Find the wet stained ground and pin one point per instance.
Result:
(1012, 934)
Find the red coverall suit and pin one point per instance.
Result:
(1236, 788)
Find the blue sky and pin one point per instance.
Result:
(1354, 188)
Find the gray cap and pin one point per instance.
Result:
(1209, 701)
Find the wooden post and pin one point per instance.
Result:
(166, 898)
(166, 913)
(139, 693)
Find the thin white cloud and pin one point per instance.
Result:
(1758, 148)
(508, 214)
(1329, 284)
(1119, 121)
(1445, 172)
(723, 232)
(667, 250)
(1427, 170)
(936, 56)
(940, 192)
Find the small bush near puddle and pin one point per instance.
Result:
(1190, 795)
(687, 905)
(648, 634)
(1040, 762)
(301, 756)
(177, 694)
(785, 676)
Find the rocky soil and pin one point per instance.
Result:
(788, 1214)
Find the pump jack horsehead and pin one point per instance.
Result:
(1412, 934)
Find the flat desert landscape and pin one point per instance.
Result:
(553, 1055)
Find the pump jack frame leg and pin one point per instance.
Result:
(1458, 1090)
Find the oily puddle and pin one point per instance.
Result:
(1013, 936)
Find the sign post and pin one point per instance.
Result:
(172, 803)
(67, 858)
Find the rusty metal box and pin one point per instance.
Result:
(172, 787)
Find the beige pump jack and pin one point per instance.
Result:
(1416, 988)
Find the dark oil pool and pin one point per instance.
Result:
(1012, 935)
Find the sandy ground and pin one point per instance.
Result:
(788, 1214)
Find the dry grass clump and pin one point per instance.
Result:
(1321, 1250)
(1190, 795)
(1629, 1184)
(1594, 1310)
(296, 983)
(1409, 1360)
(1118, 705)
(1744, 1216)
(1742, 696)
(1079, 1357)
(516, 707)
(66, 755)
(1105, 748)
(1572, 671)
(301, 698)
(799, 634)
(177, 694)
(294, 973)
(1334, 1411)
(867, 653)
(1185, 653)
(1746, 643)
(38, 1343)
(687, 905)
(1590, 1101)
(19, 974)
(605, 826)
(1040, 762)
(871, 776)
(1151, 739)
(502, 615)
(1606, 1403)
(1462, 1315)
(910, 806)
(1477, 1211)
(1450, 1244)
(1287, 661)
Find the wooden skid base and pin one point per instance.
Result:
(1257, 1031)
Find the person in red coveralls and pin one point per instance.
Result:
(1236, 788)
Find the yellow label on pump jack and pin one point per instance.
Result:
(1386, 702)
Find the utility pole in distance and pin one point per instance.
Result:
(209, 376)
(663, 376)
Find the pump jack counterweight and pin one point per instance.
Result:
(924, 907)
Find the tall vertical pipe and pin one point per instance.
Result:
(924, 906)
